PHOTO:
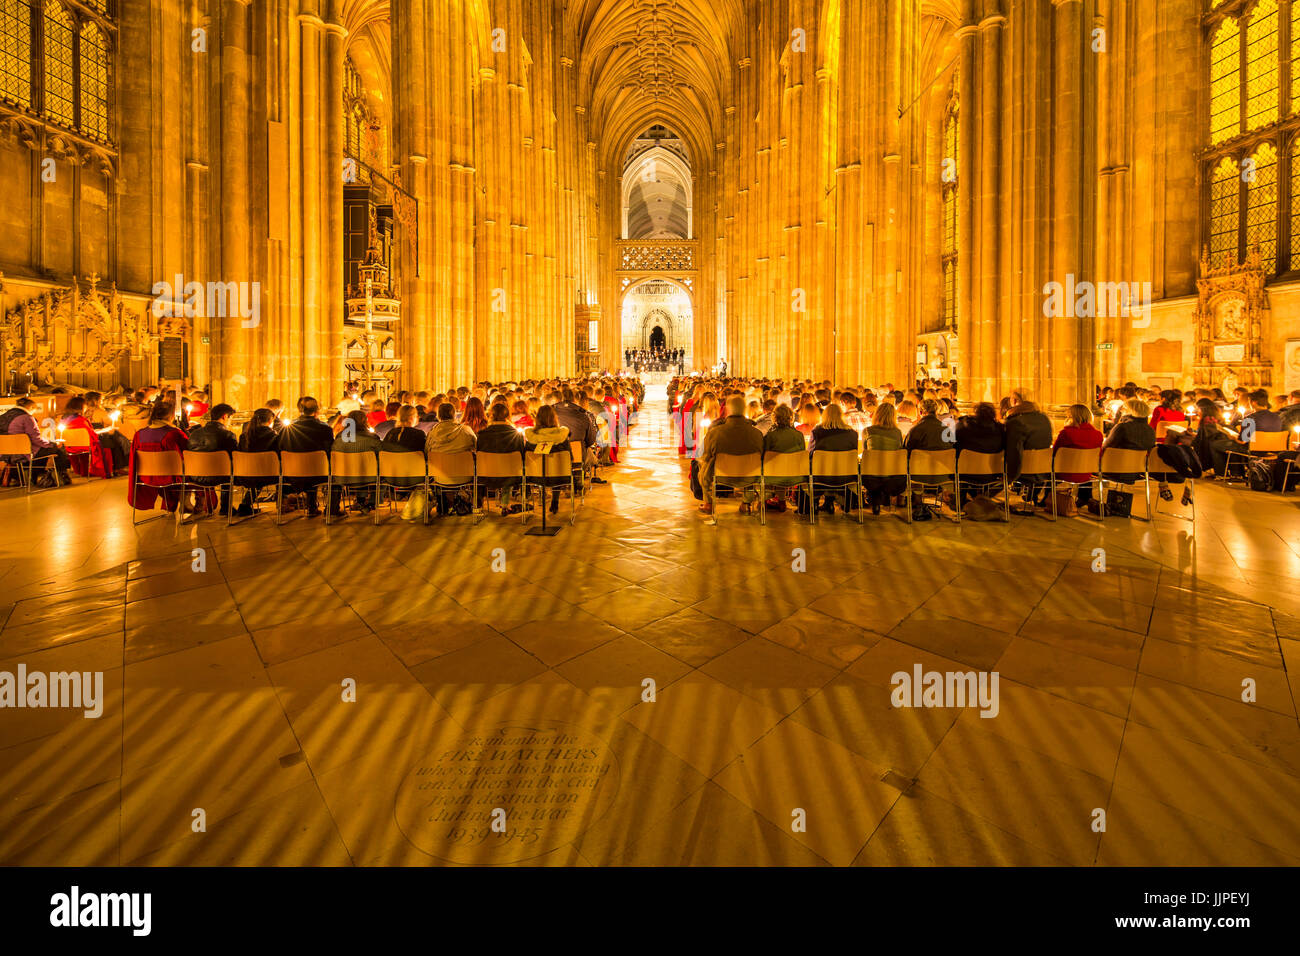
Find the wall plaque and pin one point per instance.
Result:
(1232, 352)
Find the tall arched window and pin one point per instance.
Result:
(950, 181)
(93, 61)
(54, 62)
(1251, 172)
(16, 52)
(60, 99)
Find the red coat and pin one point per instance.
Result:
(94, 460)
(1078, 436)
(154, 438)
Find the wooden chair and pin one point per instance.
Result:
(450, 471)
(833, 464)
(984, 470)
(931, 469)
(737, 471)
(1123, 461)
(77, 442)
(160, 464)
(210, 465)
(1262, 445)
(1074, 461)
(784, 469)
(1160, 472)
(497, 465)
(19, 447)
(578, 454)
(1034, 461)
(254, 467)
(884, 464)
(401, 470)
(300, 465)
(551, 471)
(351, 470)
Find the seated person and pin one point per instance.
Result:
(378, 412)
(354, 438)
(929, 433)
(306, 433)
(1170, 409)
(981, 432)
(883, 435)
(1261, 417)
(834, 434)
(105, 425)
(547, 431)
(214, 435)
(94, 457)
(1028, 429)
(389, 421)
(448, 437)
(734, 435)
(259, 435)
(1133, 431)
(403, 433)
(782, 438)
(19, 421)
(159, 434)
(1079, 432)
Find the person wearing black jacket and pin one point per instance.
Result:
(929, 433)
(500, 437)
(832, 434)
(1132, 431)
(981, 432)
(259, 435)
(305, 434)
(215, 435)
(1028, 429)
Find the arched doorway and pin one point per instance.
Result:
(658, 310)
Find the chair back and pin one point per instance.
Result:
(1155, 464)
(1076, 461)
(1123, 461)
(884, 464)
(353, 464)
(834, 464)
(1033, 461)
(577, 453)
(159, 464)
(738, 466)
(975, 464)
(932, 464)
(131, 422)
(451, 468)
(16, 445)
(304, 464)
(558, 464)
(785, 464)
(255, 464)
(206, 464)
(500, 464)
(396, 464)
(1269, 441)
(76, 438)
(1161, 428)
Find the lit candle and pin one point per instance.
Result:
(114, 416)
(1190, 410)
(704, 422)
(189, 409)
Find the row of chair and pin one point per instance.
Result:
(926, 471)
(384, 471)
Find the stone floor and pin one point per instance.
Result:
(770, 738)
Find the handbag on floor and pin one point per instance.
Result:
(1119, 503)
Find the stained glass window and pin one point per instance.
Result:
(1260, 175)
(1225, 83)
(16, 52)
(60, 74)
(93, 66)
(1225, 203)
(1261, 66)
(949, 240)
(1295, 206)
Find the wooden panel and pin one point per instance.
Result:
(1162, 355)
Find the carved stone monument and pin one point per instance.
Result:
(1230, 321)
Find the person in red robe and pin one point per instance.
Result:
(93, 460)
(160, 434)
